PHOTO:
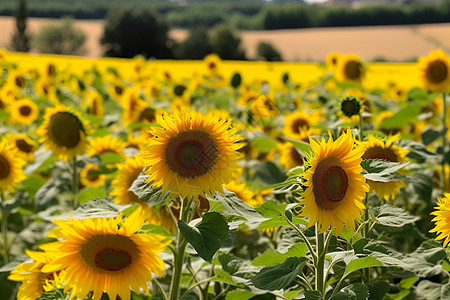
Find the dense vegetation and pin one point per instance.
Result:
(248, 14)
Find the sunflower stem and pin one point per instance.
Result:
(160, 288)
(4, 228)
(305, 239)
(74, 183)
(444, 141)
(361, 128)
(320, 262)
(180, 249)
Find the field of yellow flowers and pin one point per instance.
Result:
(151, 179)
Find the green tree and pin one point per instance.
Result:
(267, 52)
(20, 40)
(62, 38)
(196, 46)
(226, 42)
(129, 32)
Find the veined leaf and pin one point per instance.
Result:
(279, 276)
(145, 191)
(382, 170)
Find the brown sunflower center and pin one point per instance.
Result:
(118, 90)
(212, 66)
(352, 70)
(23, 146)
(64, 129)
(5, 168)
(296, 157)
(330, 183)
(147, 114)
(92, 175)
(109, 252)
(380, 153)
(299, 124)
(25, 110)
(191, 153)
(20, 82)
(436, 71)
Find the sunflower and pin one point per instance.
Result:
(334, 185)
(212, 63)
(23, 111)
(24, 144)
(127, 174)
(95, 103)
(298, 125)
(391, 131)
(350, 68)
(375, 149)
(242, 192)
(11, 167)
(332, 60)
(17, 80)
(289, 155)
(46, 88)
(106, 144)
(89, 176)
(442, 219)
(98, 256)
(63, 132)
(434, 71)
(191, 154)
(117, 90)
(264, 106)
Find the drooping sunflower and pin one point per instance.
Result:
(192, 154)
(442, 219)
(24, 144)
(89, 176)
(127, 174)
(63, 132)
(99, 257)
(35, 282)
(435, 71)
(11, 167)
(376, 149)
(350, 68)
(289, 155)
(334, 185)
(23, 111)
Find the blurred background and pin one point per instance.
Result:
(377, 30)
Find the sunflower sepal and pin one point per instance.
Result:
(382, 170)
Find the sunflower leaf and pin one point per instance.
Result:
(208, 236)
(303, 148)
(382, 170)
(279, 276)
(401, 118)
(355, 291)
(362, 263)
(145, 191)
(392, 216)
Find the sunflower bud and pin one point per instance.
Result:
(350, 106)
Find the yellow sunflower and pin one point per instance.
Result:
(24, 144)
(376, 149)
(242, 192)
(88, 176)
(35, 282)
(298, 125)
(46, 88)
(95, 103)
(192, 154)
(435, 71)
(11, 167)
(106, 144)
(442, 219)
(212, 63)
(289, 155)
(100, 257)
(350, 68)
(334, 185)
(127, 174)
(17, 80)
(63, 132)
(332, 60)
(117, 90)
(23, 111)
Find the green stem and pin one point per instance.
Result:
(74, 183)
(196, 285)
(160, 288)
(361, 128)
(308, 244)
(320, 263)
(444, 141)
(179, 257)
(305, 282)
(365, 229)
(4, 228)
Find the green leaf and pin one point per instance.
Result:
(96, 208)
(388, 215)
(381, 170)
(239, 295)
(32, 184)
(279, 276)
(274, 258)
(355, 291)
(55, 294)
(275, 211)
(208, 236)
(111, 158)
(429, 290)
(429, 135)
(362, 263)
(290, 295)
(101, 132)
(154, 229)
(263, 143)
(268, 172)
(378, 289)
(145, 191)
(402, 117)
(43, 159)
(137, 125)
(50, 190)
(313, 295)
(90, 193)
(303, 148)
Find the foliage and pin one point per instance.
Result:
(20, 39)
(225, 42)
(131, 32)
(267, 52)
(63, 38)
(196, 46)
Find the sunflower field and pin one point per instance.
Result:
(158, 179)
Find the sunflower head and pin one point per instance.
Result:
(63, 132)
(128, 172)
(289, 155)
(442, 219)
(332, 60)
(435, 71)
(191, 153)
(23, 111)
(242, 192)
(299, 125)
(334, 185)
(350, 68)
(24, 145)
(90, 176)
(350, 106)
(11, 167)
